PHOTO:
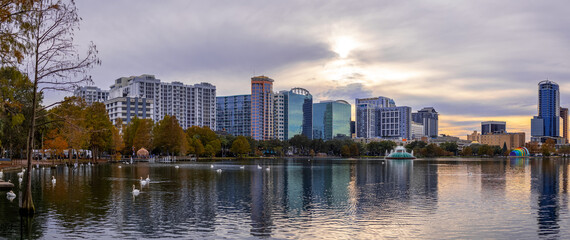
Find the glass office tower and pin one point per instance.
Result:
(298, 113)
(547, 123)
(233, 114)
(331, 119)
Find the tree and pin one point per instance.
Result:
(169, 137)
(504, 149)
(55, 143)
(532, 147)
(204, 137)
(55, 64)
(99, 127)
(15, 108)
(374, 148)
(467, 151)
(345, 151)
(449, 146)
(240, 146)
(13, 28)
(547, 147)
(564, 150)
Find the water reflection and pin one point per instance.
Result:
(299, 198)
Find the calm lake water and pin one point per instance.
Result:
(299, 198)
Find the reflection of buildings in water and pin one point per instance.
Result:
(261, 211)
(544, 175)
(493, 179)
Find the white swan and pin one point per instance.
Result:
(120, 166)
(21, 174)
(177, 167)
(136, 192)
(148, 178)
(219, 170)
(242, 167)
(211, 166)
(1, 174)
(11, 194)
(259, 167)
(53, 180)
(20, 179)
(143, 182)
(268, 168)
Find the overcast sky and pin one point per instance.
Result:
(471, 60)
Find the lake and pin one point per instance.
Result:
(298, 198)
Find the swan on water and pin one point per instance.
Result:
(143, 182)
(176, 167)
(120, 166)
(21, 174)
(268, 168)
(219, 170)
(148, 178)
(242, 167)
(1, 174)
(20, 179)
(11, 194)
(211, 166)
(135, 191)
(53, 180)
(259, 167)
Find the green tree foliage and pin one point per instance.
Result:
(169, 137)
(467, 151)
(99, 127)
(300, 144)
(548, 147)
(14, 25)
(203, 141)
(138, 134)
(71, 122)
(449, 147)
(15, 109)
(240, 146)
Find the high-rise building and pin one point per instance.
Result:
(366, 115)
(293, 114)
(394, 122)
(262, 108)
(417, 130)
(564, 116)
(547, 123)
(192, 105)
(493, 127)
(91, 94)
(234, 114)
(331, 119)
(429, 118)
(279, 109)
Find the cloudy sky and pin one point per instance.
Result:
(471, 60)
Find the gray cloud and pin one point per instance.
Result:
(473, 58)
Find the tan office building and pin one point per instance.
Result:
(513, 140)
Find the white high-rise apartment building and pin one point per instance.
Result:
(91, 94)
(192, 105)
(279, 115)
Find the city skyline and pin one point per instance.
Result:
(482, 66)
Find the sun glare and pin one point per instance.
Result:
(343, 45)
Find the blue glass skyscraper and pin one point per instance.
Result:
(331, 119)
(547, 123)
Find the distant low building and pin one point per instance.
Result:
(474, 137)
(512, 140)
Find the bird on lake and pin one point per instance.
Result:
(135, 191)
(53, 180)
(177, 167)
(268, 168)
(120, 166)
(219, 170)
(211, 166)
(259, 167)
(242, 167)
(20, 179)
(148, 178)
(11, 194)
(143, 182)
(21, 174)
(1, 174)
